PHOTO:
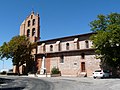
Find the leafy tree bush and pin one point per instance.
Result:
(55, 70)
(3, 73)
(106, 39)
(19, 49)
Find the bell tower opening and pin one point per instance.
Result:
(31, 28)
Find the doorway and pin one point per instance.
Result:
(82, 66)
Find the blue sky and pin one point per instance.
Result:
(58, 18)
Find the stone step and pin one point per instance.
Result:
(82, 74)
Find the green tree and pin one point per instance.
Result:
(19, 49)
(106, 39)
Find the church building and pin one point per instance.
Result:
(73, 55)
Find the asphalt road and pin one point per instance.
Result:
(24, 83)
(59, 83)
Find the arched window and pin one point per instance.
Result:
(87, 44)
(33, 32)
(28, 23)
(33, 22)
(28, 32)
(51, 47)
(67, 46)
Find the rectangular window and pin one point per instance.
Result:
(82, 55)
(62, 59)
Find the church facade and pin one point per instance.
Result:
(73, 55)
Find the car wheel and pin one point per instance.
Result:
(94, 77)
(103, 77)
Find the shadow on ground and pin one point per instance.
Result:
(13, 88)
(7, 81)
(4, 80)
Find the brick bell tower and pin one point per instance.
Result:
(30, 27)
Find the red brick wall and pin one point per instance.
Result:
(47, 63)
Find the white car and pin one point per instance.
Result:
(101, 74)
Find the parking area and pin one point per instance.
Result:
(88, 83)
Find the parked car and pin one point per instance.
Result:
(101, 74)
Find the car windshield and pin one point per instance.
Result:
(106, 71)
(98, 71)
